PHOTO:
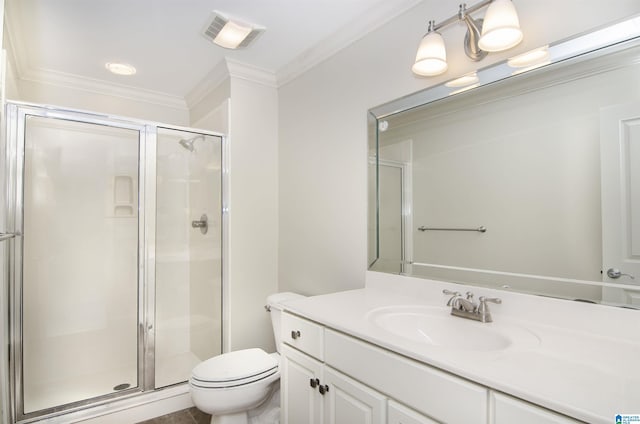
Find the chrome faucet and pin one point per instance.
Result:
(467, 308)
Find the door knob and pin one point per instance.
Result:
(616, 273)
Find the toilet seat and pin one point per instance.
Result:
(234, 369)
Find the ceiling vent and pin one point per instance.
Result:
(230, 33)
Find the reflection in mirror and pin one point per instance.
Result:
(531, 183)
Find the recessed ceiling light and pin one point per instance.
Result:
(120, 68)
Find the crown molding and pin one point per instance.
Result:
(76, 82)
(365, 24)
(229, 68)
(209, 83)
(25, 72)
(251, 73)
(357, 29)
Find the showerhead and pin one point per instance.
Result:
(188, 144)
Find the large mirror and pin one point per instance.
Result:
(528, 179)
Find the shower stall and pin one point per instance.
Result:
(113, 250)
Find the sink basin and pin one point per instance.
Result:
(434, 326)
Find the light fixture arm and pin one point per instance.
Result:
(471, 48)
(474, 27)
(498, 31)
(456, 18)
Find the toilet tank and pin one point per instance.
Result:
(274, 306)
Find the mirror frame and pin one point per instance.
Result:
(600, 42)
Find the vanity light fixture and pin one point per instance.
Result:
(432, 54)
(501, 27)
(498, 31)
(230, 33)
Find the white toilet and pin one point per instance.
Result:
(231, 385)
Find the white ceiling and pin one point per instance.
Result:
(162, 38)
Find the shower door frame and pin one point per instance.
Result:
(14, 145)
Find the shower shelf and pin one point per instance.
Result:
(123, 197)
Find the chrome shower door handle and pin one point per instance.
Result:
(616, 273)
(7, 236)
(202, 223)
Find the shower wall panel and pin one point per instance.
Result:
(173, 257)
(188, 261)
(205, 196)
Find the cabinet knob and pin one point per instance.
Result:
(323, 389)
(314, 382)
(295, 334)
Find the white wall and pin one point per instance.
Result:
(253, 216)
(322, 157)
(249, 102)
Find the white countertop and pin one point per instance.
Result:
(567, 363)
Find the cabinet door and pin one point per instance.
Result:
(300, 403)
(399, 414)
(349, 402)
(508, 410)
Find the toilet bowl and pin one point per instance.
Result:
(232, 385)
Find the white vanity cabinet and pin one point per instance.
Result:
(329, 377)
(427, 390)
(348, 401)
(400, 414)
(314, 393)
(300, 402)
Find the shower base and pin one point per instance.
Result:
(55, 393)
(169, 371)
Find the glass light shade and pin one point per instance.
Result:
(501, 27)
(431, 58)
(231, 35)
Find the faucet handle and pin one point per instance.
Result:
(453, 294)
(483, 308)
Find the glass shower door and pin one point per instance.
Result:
(188, 283)
(79, 274)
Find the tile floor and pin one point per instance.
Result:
(186, 416)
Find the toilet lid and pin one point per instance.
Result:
(235, 368)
